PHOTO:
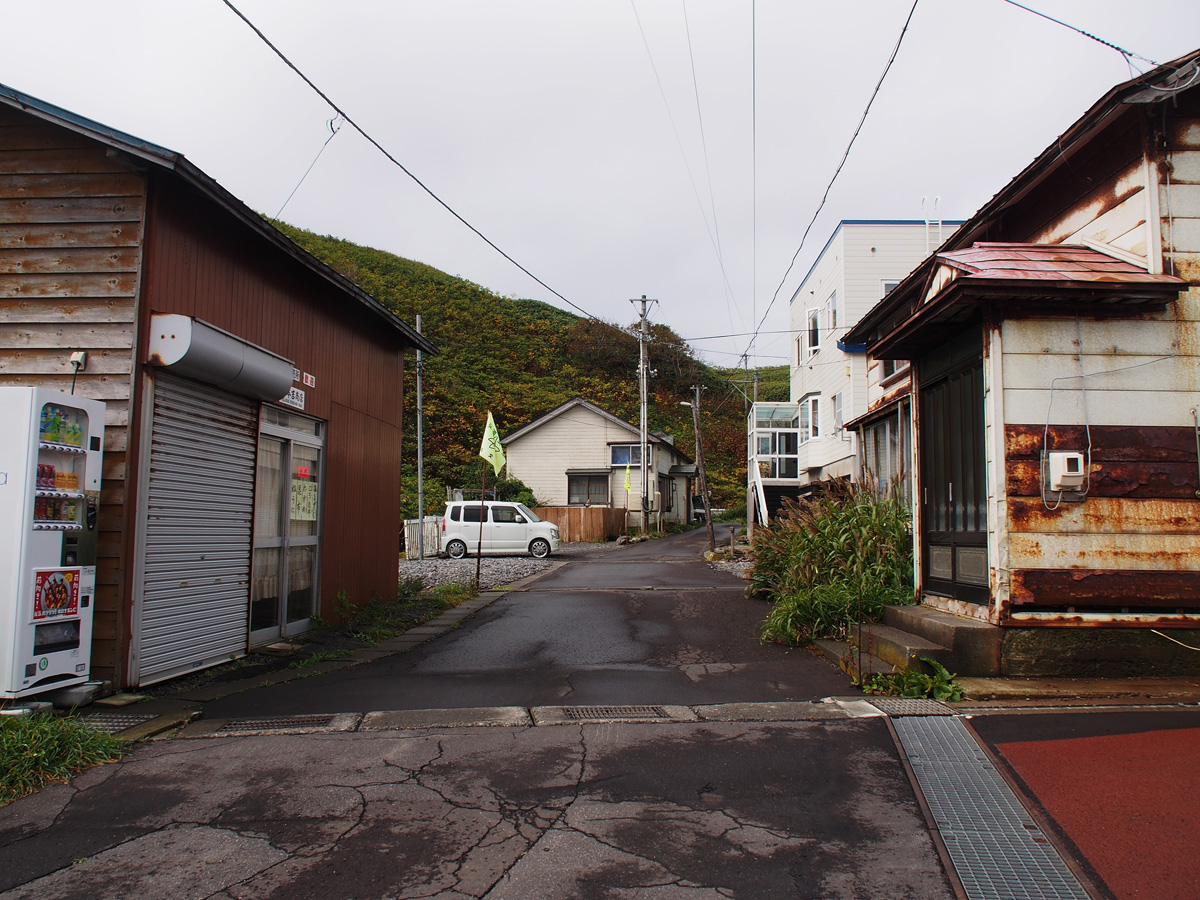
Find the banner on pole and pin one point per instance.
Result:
(491, 449)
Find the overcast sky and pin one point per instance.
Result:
(542, 123)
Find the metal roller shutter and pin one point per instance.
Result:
(199, 528)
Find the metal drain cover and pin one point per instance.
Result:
(277, 725)
(111, 723)
(899, 706)
(562, 715)
(582, 713)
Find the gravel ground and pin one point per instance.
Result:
(500, 570)
(497, 570)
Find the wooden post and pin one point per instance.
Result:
(482, 513)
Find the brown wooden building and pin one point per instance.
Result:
(254, 404)
(1055, 348)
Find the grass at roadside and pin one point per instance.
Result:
(38, 750)
(379, 619)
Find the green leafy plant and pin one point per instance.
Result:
(916, 685)
(320, 657)
(39, 750)
(829, 557)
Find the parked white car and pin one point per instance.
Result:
(506, 528)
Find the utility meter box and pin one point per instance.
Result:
(1067, 472)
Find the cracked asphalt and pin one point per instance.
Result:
(815, 809)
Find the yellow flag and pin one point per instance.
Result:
(491, 449)
(627, 478)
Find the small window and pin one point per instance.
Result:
(626, 454)
(838, 421)
(813, 331)
(886, 286)
(456, 514)
(471, 513)
(589, 490)
(810, 419)
(831, 311)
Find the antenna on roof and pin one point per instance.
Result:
(930, 217)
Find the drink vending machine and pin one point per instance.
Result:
(51, 447)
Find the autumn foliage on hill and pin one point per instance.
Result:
(521, 358)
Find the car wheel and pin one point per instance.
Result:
(456, 549)
(539, 547)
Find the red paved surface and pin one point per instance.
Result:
(1129, 802)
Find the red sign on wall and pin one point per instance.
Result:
(55, 593)
(302, 471)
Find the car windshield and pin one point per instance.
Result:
(528, 513)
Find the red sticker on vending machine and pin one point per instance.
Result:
(55, 593)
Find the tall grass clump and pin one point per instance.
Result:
(826, 554)
(41, 749)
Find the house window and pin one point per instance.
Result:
(666, 489)
(810, 419)
(813, 331)
(838, 422)
(587, 490)
(886, 286)
(626, 454)
(886, 449)
(831, 316)
(892, 366)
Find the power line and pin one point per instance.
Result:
(334, 127)
(712, 200)
(838, 171)
(1125, 53)
(679, 142)
(446, 206)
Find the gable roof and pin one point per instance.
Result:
(1017, 278)
(175, 165)
(1159, 84)
(652, 437)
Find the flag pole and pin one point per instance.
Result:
(482, 514)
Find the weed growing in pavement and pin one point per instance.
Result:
(825, 556)
(378, 619)
(917, 685)
(320, 657)
(39, 750)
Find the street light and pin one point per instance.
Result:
(712, 542)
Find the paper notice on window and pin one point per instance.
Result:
(304, 501)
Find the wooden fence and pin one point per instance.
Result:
(585, 523)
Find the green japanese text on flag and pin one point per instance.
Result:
(491, 449)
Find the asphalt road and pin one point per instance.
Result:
(649, 623)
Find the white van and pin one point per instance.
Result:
(506, 528)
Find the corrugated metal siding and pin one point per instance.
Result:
(200, 508)
(71, 224)
(198, 266)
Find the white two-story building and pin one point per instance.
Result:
(798, 444)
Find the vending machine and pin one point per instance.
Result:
(51, 447)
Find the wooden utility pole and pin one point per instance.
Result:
(643, 375)
(712, 542)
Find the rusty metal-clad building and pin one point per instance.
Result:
(1055, 348)
(253, 433)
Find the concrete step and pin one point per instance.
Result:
(901, 649)
(846, 658)
(974, 645)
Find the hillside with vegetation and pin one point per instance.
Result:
(522, 358)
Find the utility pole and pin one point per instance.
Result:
(750, 453)
(712, 542)
(643, 374)
(420, 458)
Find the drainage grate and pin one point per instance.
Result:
(998, 851)
(581, 713)
(111, 723)
(898, 706)
(277, 723)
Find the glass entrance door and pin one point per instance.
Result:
(287, 506)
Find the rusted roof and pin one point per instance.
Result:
(1017, 281)
(1051, 262)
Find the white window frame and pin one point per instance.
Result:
(810, 418)
(635, 454)
(812, 331)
